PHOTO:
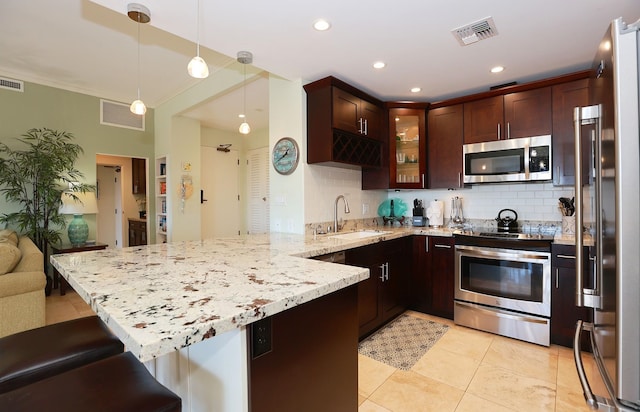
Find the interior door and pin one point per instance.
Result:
(258, 190)
(220, 196)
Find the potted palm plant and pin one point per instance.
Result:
(33, 175)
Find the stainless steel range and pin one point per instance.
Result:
(503, 284)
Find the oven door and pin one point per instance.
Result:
(517, 280)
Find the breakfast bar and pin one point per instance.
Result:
(185, 308)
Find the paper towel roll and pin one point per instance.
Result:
(435, 213)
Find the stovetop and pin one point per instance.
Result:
(493, 233)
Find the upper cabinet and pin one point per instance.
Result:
(345, 126)
(566, 97)
(355, 115)
(513, 115)
(138, 176)
(445, 127)
(407, 147)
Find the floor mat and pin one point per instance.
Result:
(402, 342)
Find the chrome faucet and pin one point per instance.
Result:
(335, 212)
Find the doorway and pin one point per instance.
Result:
(220, 197)
(109, 194)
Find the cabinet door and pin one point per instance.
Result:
(138, 176)
(483, 120)
(395, 287)
(565, 97)
(528, 113)
(445, 136)
(346, 111)
(420, 287)
(407, 157)
(374, 117)
(564, 312)
(369, 292)
(441, 269)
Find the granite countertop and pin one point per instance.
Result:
(162, 297)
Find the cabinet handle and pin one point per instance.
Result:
(360, 128)
(566, 257)
(508, 130)
(366, 127)
(387, 270)
(423, 182)
(382, 272)
(442, 246)
(459, 179)
(498, 131)
(426, 245)
(557, 270)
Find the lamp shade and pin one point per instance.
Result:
(85, 205)
(78, 229)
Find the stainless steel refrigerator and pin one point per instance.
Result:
(608, 208)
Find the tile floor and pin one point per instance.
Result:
(466, 370)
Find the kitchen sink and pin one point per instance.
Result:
(362, 234)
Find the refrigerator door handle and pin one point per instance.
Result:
(585, 297)
(594, 401)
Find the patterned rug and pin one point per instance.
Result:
(402, 342)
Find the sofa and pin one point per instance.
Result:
(22, 284)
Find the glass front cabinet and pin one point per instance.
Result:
(407, 147)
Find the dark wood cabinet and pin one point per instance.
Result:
(138, 176)
(519, 114)
(444, 146)
(384, 295)
(483, 120)
(433, 281)
(407, 146)
(356, 115)
(564, 312)
(137, 232)
(345, 126)
(306, 358)
(565, 98)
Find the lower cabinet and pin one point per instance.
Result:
(564, 312)
(137, 233)
(433, 275)
(306, 358)
(384, 295)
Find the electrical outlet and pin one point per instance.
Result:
(365, 208)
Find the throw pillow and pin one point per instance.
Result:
(9, 257)
(8, 235)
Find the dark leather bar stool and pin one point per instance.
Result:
(118, 383)
(36, 354)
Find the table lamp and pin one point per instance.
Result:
(78, 229)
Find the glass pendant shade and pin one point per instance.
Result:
(244, 128)
(138, 107)
(198, 68)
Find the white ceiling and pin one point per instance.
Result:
(91, 46)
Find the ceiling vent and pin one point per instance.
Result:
(10, 84)
(119, 115)
(474, 32)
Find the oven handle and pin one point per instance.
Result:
(499, 313)
(519, 254)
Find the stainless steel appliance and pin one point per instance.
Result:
(510, 160)
(607, 203)
(503, 284)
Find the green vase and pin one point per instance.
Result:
(78, 230)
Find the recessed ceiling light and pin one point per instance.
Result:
(242, 116)
(497, 69)
(379, 65)
(321, 25)
(415, 89)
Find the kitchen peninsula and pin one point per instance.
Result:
(186, 308)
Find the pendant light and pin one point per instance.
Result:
(197, 67)
(245, 58)
(140, 14)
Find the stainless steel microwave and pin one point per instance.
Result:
(524, 159)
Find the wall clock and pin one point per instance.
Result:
(285, 156)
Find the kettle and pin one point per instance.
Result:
(508, 223)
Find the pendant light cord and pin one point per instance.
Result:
(244, 91)
(138, 55)
(198, 31)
